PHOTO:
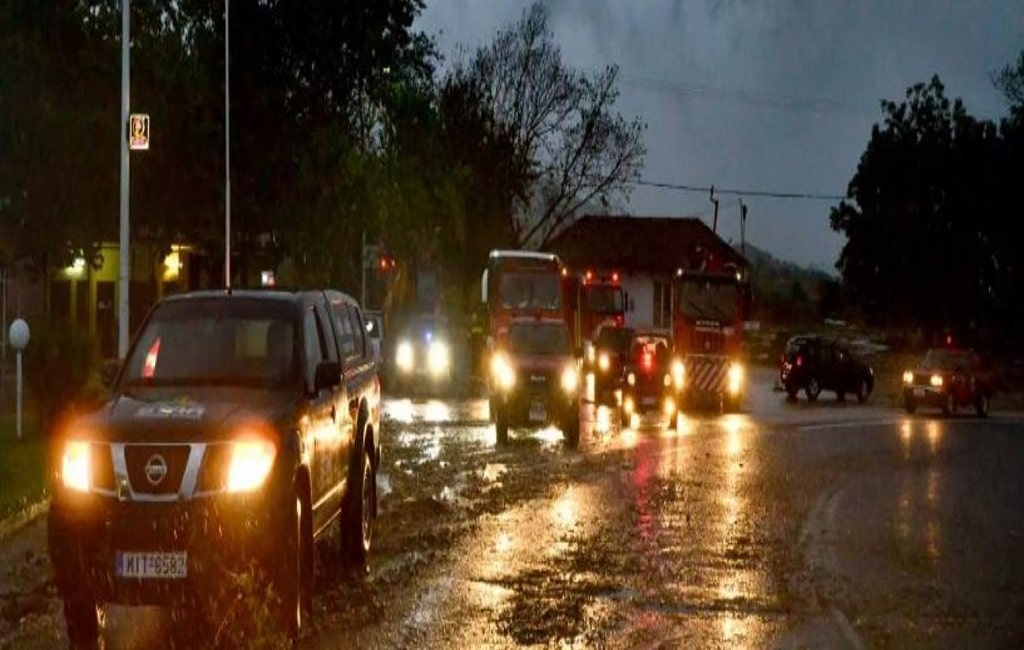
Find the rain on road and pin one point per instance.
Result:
(790, 525)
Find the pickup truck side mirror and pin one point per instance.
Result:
(328, 375)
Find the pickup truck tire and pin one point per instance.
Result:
(288, 575)
(82, 622)
(812, 389)
(357, 513)
(981, 405)
(863, 390)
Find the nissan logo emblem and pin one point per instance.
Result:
(156, 469)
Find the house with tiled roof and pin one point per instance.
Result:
(646, 252)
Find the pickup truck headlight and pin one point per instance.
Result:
(502, 372)
(251, 462)
(735, 378)
(908, 377)
(570, 380)
(404, 356)
(438, 357)
(936, 381)
(74, 466)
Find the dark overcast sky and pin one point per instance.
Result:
(775, 95)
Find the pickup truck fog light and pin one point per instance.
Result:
(404, 356)
(735, 378)
(75, 465)
(251, 462)
(438, 357)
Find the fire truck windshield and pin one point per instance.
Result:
(527, 290)
(542, 339)
(604, 299)
(699, 298)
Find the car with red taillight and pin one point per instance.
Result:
(653, 378)
(814, 363)
(242, 427)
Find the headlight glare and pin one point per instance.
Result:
(631, 379)
(503, 373)
(936, 381)
(735, 378)
(678, 373)
(908, 377)
(570, 380)
(404, 356)
(75, 466)
(603, 362)
(438, 357)
(251, 462)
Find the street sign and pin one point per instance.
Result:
(138, 132)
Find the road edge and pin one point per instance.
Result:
(11, 525)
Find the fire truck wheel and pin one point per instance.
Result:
(571, 430)
(501, 426)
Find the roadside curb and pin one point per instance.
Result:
(14, 523)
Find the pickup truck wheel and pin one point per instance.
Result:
(791, 392)
(357, 519)
(981, 405)
(82, 622)
(812, 389)
(288, 582)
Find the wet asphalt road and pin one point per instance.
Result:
(791, 525)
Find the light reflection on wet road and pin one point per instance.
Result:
(791, 525)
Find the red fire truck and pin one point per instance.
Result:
(596, 298)
(707, 329)
(522, 283)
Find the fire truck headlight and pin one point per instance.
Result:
(404, 356)
(438, 357)
(503, 373)
(603, 362)
(570, 379)
(678, 374)
(75, 465)
(735, 379)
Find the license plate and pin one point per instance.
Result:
(919, 392)
(538, 413)
(648, 401)
(147, 565)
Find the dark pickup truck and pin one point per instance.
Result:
(242, 426)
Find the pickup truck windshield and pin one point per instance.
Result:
(217, 342)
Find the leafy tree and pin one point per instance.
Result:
(562, 124)
(926, 232)
(1010, 80)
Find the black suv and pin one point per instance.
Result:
(814, 363)
(606, 359)
(242, 426)
(535, 379)
(653, 378)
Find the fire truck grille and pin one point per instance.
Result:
(707, 342)
(706, 374)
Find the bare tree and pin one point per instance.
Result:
(579, 152)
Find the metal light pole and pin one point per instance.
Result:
(124, 272)
(227, 152)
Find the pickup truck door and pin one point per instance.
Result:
(327, 414)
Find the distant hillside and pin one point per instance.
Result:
(785, 291)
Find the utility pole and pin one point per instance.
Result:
(124, 267)
(743, 228)
(714, 226)
(227, 151)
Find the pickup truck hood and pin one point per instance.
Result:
(186, 414)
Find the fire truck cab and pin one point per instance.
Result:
(707, 328)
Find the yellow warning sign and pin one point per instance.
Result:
(138, 132)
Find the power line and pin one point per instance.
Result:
(735, 192)
(750, 97)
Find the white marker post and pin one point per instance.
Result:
(18, 336)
